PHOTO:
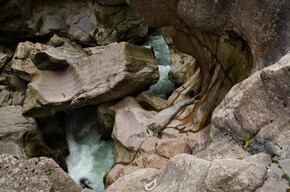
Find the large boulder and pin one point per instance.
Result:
(188, 173)
(37, 174)
(99, 22)
(256, 113)
(102, 75)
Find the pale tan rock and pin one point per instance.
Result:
(130, 127)
(171, 147)
(164, 117)
(144, 161)
(188, 173)
(119, 70)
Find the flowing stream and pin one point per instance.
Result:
(164, 87)
(90, 157)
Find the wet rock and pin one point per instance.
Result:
(85, 183)
(93, 79)
(188, 173)
(255, 113)
(37, 174)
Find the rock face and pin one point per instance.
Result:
(99, 22)
(13, 127)
(92, 79)
(256, 112)
(21, 136)
(225, 42)
(37, 174)
(188, 173)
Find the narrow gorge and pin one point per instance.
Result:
(145, 95)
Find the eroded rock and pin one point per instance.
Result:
(130, 127)
(112, 73)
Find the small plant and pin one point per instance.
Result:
(248, 141)
(208, 129)
(285, 176)
(275, 161)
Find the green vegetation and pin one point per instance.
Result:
(248, 141)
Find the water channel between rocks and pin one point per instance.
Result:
(91, 157)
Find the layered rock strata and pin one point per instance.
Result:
(97, 76)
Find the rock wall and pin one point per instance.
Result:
(224, 128)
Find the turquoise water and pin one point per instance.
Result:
(89, 157)
(164, 87)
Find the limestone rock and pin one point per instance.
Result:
(164, 117)
(37, 174)
(274, 182)
(144, 161)
(256, 112)
(12, 129)
(134, 181)
(188, 173)
(224, 58)
(130, 127)
(116, 71)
